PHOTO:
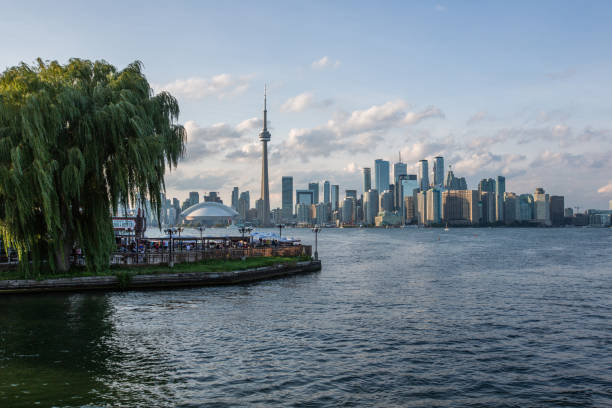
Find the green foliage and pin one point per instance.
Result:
(124, 278)
(76, 141)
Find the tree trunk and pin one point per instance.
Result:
(62, 255)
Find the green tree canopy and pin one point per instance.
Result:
(77, 141)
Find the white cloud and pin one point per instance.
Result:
(325, 62)
(477, 117)
(299, 102)
(607, 189)
(220, 86)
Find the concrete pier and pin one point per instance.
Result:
(157, 281)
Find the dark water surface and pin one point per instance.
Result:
(469, 317)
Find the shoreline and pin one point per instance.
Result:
(157, 281)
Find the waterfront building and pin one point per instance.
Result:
(235, 198)
(569, 212)
(407, 188)
(322, 213)
(512, 208)
(287, 197)
(387, 218)
(409, 209)
(500, 189)
(367, 179)
(348, 210)
(335, 197)
(600, 219)
(351, 193)
(277, 216)
(487, 200)
(381, 175)
(386, 201)
(421, 213)
(557, 205)
(264, 137)
(209, 214)
(541, 207)
(314, 187)
(423, 175)
(326, 192)
(303, 213)
(370, 207)
(526, 207)
(461, 206)
(434, 206)
(438, 170)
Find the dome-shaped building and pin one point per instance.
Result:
(209, 214)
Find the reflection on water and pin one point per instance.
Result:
(472, 317)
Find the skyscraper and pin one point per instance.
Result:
(326, 186)
(235, 198)
(194, 198)
(423, 175)
(264, 137)
(381, 175)
(541, 206)
(386, 201)
(367, 179)
(438, 171)
(557, 204)
(399, 169)
(370, 206)
(314, 187)
(287, 197)
(500, 189)
(335, 197)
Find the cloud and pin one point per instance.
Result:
(220, 86)
(412, 118)
(607, 189)
(209, 140)
(477, 117)
(325, 62)
(304, 101)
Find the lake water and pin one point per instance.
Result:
(401, 317)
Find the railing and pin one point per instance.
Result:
(159, 256)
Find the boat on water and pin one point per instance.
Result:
(446, 228)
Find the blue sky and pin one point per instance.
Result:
(521, 90)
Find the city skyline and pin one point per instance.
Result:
(504, 97)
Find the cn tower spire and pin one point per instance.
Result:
(263, 213)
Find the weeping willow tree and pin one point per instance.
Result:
(77, 141)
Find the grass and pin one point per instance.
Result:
(124, 272)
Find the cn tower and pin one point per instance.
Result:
(264, 136)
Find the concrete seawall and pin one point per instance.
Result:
(158, 281)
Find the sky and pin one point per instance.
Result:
(518, 89)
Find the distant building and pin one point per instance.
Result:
(194, 197)
(423, 175)
(287, 198)
(235, 198)
(351, 194)
(434, 206)
(438, 170)
(262, 218)
(487, 185)
(541, 206)
(399, 169)
(500, 189)
(244, 204)
(487, 199)
(410, 210)
(370, 207)
(421, 212)
(386, 201)
(314, 187)
(348, 210)
(305, 197)
(455, 183)
(367, 179)
(569, 212)
(213, 197)
(461, 206)
(381, 175)
(557, 206)
(512, 208)
(326, 192)
(209, 214)
(322, 213)
(303, 213)
(386, 218)
(407, 188)
(335, 197)
(526, 207)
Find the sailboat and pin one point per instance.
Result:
(446, 228)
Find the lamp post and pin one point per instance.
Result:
(170, 232)
(316, 230)
(179, 230)
(280, 230)
(201, 228)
